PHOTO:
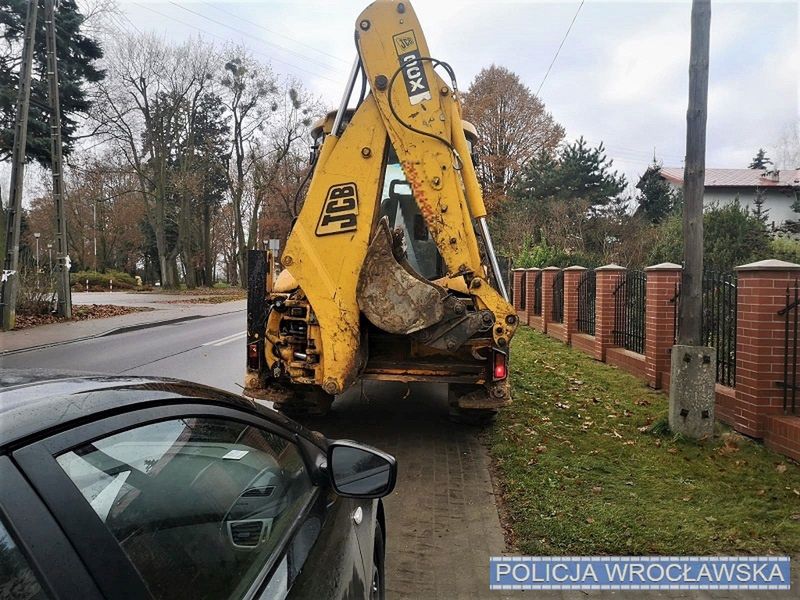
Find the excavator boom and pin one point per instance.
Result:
(401, 157)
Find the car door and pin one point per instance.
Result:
(192, 502)
(36, 560)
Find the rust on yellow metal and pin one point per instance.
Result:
(327, 267)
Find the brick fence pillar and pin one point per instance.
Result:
(572, 277)
(530, 300)
(607, 280)
(548, 276)
(516, 287)
(662, 281)
(760, 342)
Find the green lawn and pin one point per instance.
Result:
(586, 466)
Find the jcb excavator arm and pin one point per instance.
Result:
(337, 232)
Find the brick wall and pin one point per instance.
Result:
(534, 320)
(759, 343)
(517, 292)
(607, 280)
(755, 406)
(660, 320)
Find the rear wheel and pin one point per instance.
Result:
(468, 416)
(378, 587)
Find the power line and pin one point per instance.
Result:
(250, 35)
(286, 37)
(561, 45)
(267, 56)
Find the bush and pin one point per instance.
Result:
(785, 249)
(732, 236)
(543, 255)
(121, 280)
(33, 299)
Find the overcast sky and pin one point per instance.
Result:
(620, 78)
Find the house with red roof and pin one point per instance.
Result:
(779, 189)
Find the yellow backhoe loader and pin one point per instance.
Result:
(389, 271)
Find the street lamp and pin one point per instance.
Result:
(37, 236)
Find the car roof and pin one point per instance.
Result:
(34, 402)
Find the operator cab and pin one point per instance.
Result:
(397, 200)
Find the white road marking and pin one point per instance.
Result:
(225, 340)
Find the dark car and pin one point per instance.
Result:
(138, 487)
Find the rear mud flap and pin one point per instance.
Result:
(391, 295)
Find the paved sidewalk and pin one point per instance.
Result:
(60, 333)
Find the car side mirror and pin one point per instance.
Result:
(359, 471)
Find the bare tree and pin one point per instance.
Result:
(148, 106)
(249, 93)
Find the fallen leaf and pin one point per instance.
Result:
(589, 520)
(761, 492)
(781, 468)
(673, 450)
(597, 489)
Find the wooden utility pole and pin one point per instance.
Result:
(692, 363)
(691, 302)
(10, 276)
(62, 249)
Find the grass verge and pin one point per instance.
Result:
(587, 465)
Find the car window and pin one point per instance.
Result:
(198, 504)
(17, 579)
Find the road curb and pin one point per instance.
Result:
(116, 331)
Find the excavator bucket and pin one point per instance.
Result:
(391, 294)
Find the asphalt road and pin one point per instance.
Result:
(209, 350)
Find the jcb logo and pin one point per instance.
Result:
(340, 210)
(413, 74)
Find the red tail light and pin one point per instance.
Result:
(252, 356)
(500, 370)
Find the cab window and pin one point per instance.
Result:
(197, 504)
(399, 206)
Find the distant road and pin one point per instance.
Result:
(210, 350)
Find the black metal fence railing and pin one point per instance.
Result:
(558, 298)
(523, 296)
(719, 322)
(789, 383)
(537, 294)
(629, 311)
(719, 301)
(587, 288)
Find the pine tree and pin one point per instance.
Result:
(760, 160)
(759, 211)
(657, 199)
(77, 54)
